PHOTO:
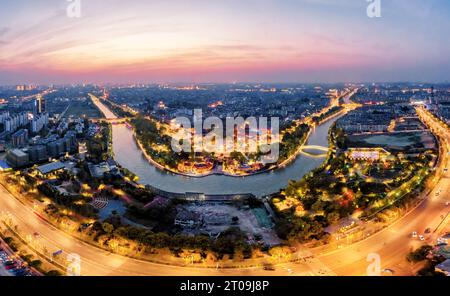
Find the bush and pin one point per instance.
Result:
(53, 273)
(419, 255)
(36, 263)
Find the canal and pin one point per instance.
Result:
(128, 154)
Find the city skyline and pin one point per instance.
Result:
(199, 41)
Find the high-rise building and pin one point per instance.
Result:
(38, 153)
(39, 122)
(20, 138)
(40, 105)
(12, 123)
(17, 158)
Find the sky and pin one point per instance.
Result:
(193, 41)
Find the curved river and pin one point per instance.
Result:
(128, 154)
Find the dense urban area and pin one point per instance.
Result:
(65, 170)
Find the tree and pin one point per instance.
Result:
(36, 263)
(333, 217)
(317, 206)
(419, 254)
(54, 273)
(107, 227)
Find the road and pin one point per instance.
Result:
(42, 94)
(392, 244)
(109, 115)
(95, 261)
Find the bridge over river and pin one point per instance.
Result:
(129, 155)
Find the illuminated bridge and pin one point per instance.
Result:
(323, 151)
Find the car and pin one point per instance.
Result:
(269, 268)
(442, 240)
(447, 203)
(414, 234)
(20, 271)
(421, 237)
(10, 265)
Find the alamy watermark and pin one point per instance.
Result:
(74, 265)
(74, 9)
(374, 268)
(247, 136)
(374, 8)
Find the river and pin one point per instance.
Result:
(128, 154)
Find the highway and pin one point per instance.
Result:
(391, 244)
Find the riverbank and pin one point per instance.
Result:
(212, 173)
(110, 114)
(283, 164)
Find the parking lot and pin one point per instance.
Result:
(10, 266)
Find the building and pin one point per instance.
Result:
(39, 105)
(368, 119)
(367, 154)
(82, 150)
(20, 138)
(444, 267)
(13, 122)
(38, 153)
(39, 122)
(99, 170)
(56, 148)
(71, 139)
(4, 116)
(17, 158)
(4, 166)
(51, 168)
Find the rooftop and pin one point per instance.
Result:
(18, 153)
(51, 167)
(444, 266)
(4, 165)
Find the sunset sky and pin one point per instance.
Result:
(224, 41)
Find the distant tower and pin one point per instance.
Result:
(105, 93)
(432, 95)
(39, 105)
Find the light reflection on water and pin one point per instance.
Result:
(128, 154)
